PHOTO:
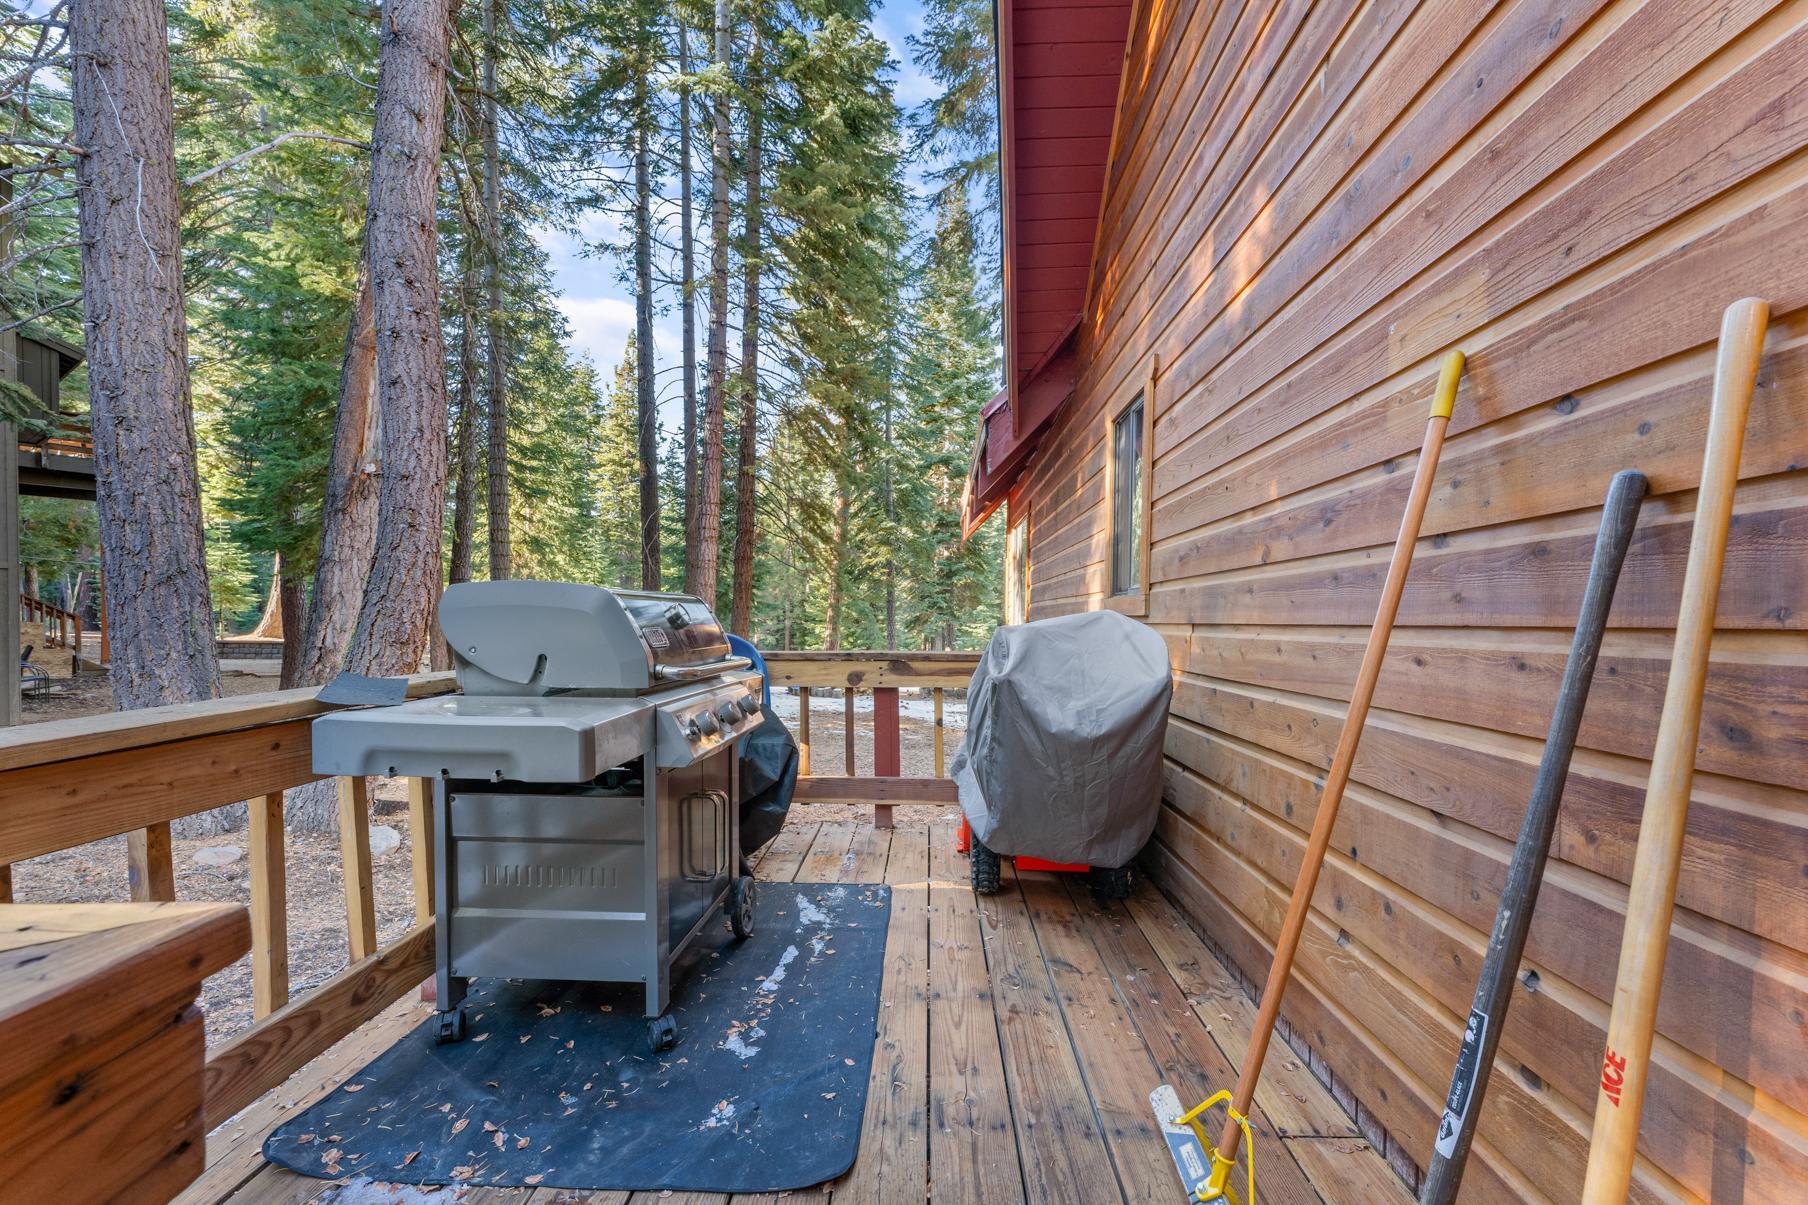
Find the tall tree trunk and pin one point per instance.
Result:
(466, 453)
(269, 624)
(501, 550)
(892, 533)
(700, 579)
(148, 488)
(837, 568)
(687, 298)
(348, 515)
(646, 400)
(348, 531)
(741, 620)
(291, 603)
(411, 374)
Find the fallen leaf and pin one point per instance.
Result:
(463, 1172)
(570, 1045)
(545, 1011)
(521, 1144)
(497, 1139)
(482, 1037)
(526, 1036)
(410, 1157)
(459, 1125)
(849, 1062)
(490, 1127)
(829, 1095)
(354, 1087)
(532, 1179)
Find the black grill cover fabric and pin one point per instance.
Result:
(768, 776)
(1065, 720)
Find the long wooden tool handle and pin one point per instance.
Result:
(1494, 988)
(1443, 402)
(1651, 897)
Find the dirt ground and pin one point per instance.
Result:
(316, 900)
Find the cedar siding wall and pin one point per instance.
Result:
(1307, 205)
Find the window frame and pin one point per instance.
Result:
(1133, 600)
(1017, 534)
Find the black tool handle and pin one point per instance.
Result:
(1493, 991)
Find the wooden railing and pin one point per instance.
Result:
(883, 674)
(62, 628)
(69, 782)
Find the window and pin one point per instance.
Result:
(1127, 500)
(1017, 571)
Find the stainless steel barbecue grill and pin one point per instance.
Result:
(587, 790)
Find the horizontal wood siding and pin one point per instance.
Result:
(1308, 203)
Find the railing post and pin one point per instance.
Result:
(888, 757)
(354, 850)
(420, 835)
(940, 772)
(803, 732)
(150, 869)
(269, 907)
(847, 729)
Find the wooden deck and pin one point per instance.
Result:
(1019, 1037)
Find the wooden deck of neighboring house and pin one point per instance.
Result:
(1019, 1036)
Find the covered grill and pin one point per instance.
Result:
(586, 799)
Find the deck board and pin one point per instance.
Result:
(1017, 1037)
(972, 1143)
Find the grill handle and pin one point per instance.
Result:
(684, 673)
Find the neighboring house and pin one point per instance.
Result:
(41, 454)
(1231, 268)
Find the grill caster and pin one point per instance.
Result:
(740, 907)
(451, 1026)
(662, 1034)
(1111, 883)
(986, 871)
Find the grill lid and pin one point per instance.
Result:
(535, 638)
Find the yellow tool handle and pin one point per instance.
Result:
(1337, 778)
(1444, 400)
(1651, 895)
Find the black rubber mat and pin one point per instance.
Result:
(555, 1085)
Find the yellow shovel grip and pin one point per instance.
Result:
(1444, 401)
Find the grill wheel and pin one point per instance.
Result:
(987, 873)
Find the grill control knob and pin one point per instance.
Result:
(750, 706)
(707, 724)
(728, 711)
(691, 731)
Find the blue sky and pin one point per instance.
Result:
(599, 306)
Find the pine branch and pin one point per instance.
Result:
(290, 136)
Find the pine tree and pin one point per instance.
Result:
(952, 369)
(615, 545)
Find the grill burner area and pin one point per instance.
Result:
(586, 798)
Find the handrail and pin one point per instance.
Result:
(884, 673)
(68, 782)
(47, 613)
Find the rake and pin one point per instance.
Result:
(1206, 1179)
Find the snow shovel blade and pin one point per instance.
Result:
(1189, 1154)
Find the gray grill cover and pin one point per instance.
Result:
(1062, 758)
